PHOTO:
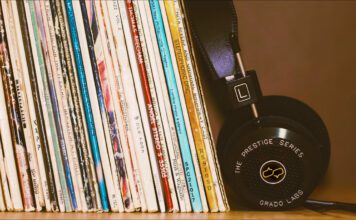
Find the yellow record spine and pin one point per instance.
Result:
(225, 206)
(192, 110)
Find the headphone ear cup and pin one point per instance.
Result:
(274, 112)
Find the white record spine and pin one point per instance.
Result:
(21, 94)
(118, 96)
(12, 178)
(34, 140)
(156, 107)
(140, 98)
(133, 113)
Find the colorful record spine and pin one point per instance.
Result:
(121, 111)
(42, 114)
(134, 124)
(103, 90)
(204, 120)
(9, 114)
(176, 106)
(107, 72)
(25, 176)
(191, 105)
(149, 105)
(77, 149)
(76, 189)
(156, 103)
(91, 105)
(44, 163)
(167, 116)
(185, 110)
(3, 174)
(38, 43)
(142, 105)
(60, 110)
(77, 98)
(32, 137)
(76, 114)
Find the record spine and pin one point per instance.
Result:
(20, 147)
(98, 66)
(44, 162)
(33, 140)
(176, 107)
(64, 110)
(74, 83)
(149, 104)
(191, 102)
(121, 111)
(134, 125)
(99, 151)
(117, 97)
(60, 111)
(76, 115)
(76, 147)
(205, 124)
(185, 111)
(156, 103)
(40, 111)
(142, 105)
(36, 25)
(9, 118)
(168, 121)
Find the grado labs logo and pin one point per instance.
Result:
(273, 172)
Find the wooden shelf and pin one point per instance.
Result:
(297, 214)
(345, 194)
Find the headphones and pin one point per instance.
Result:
(273, 150)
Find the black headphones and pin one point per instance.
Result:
(273, 150)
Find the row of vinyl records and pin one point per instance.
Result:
(102, 110)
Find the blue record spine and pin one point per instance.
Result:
(58, 125)
(176, 106)
(86, 103)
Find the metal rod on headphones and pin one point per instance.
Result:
(241, 65)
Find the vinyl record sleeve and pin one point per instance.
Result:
(149, 105)
(35, 25)
(74, 109)
(177, 107)
(208, 133)
(21, 150)
(9, 138)
(156, 104)
(192, 101)
(142, 105)
(133, 116)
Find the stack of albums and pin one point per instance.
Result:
(101, 110)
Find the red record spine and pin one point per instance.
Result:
(149, 105)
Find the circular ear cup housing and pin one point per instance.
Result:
(274, 162)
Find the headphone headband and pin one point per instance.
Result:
(212, 24)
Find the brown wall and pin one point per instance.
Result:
(307, 50)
